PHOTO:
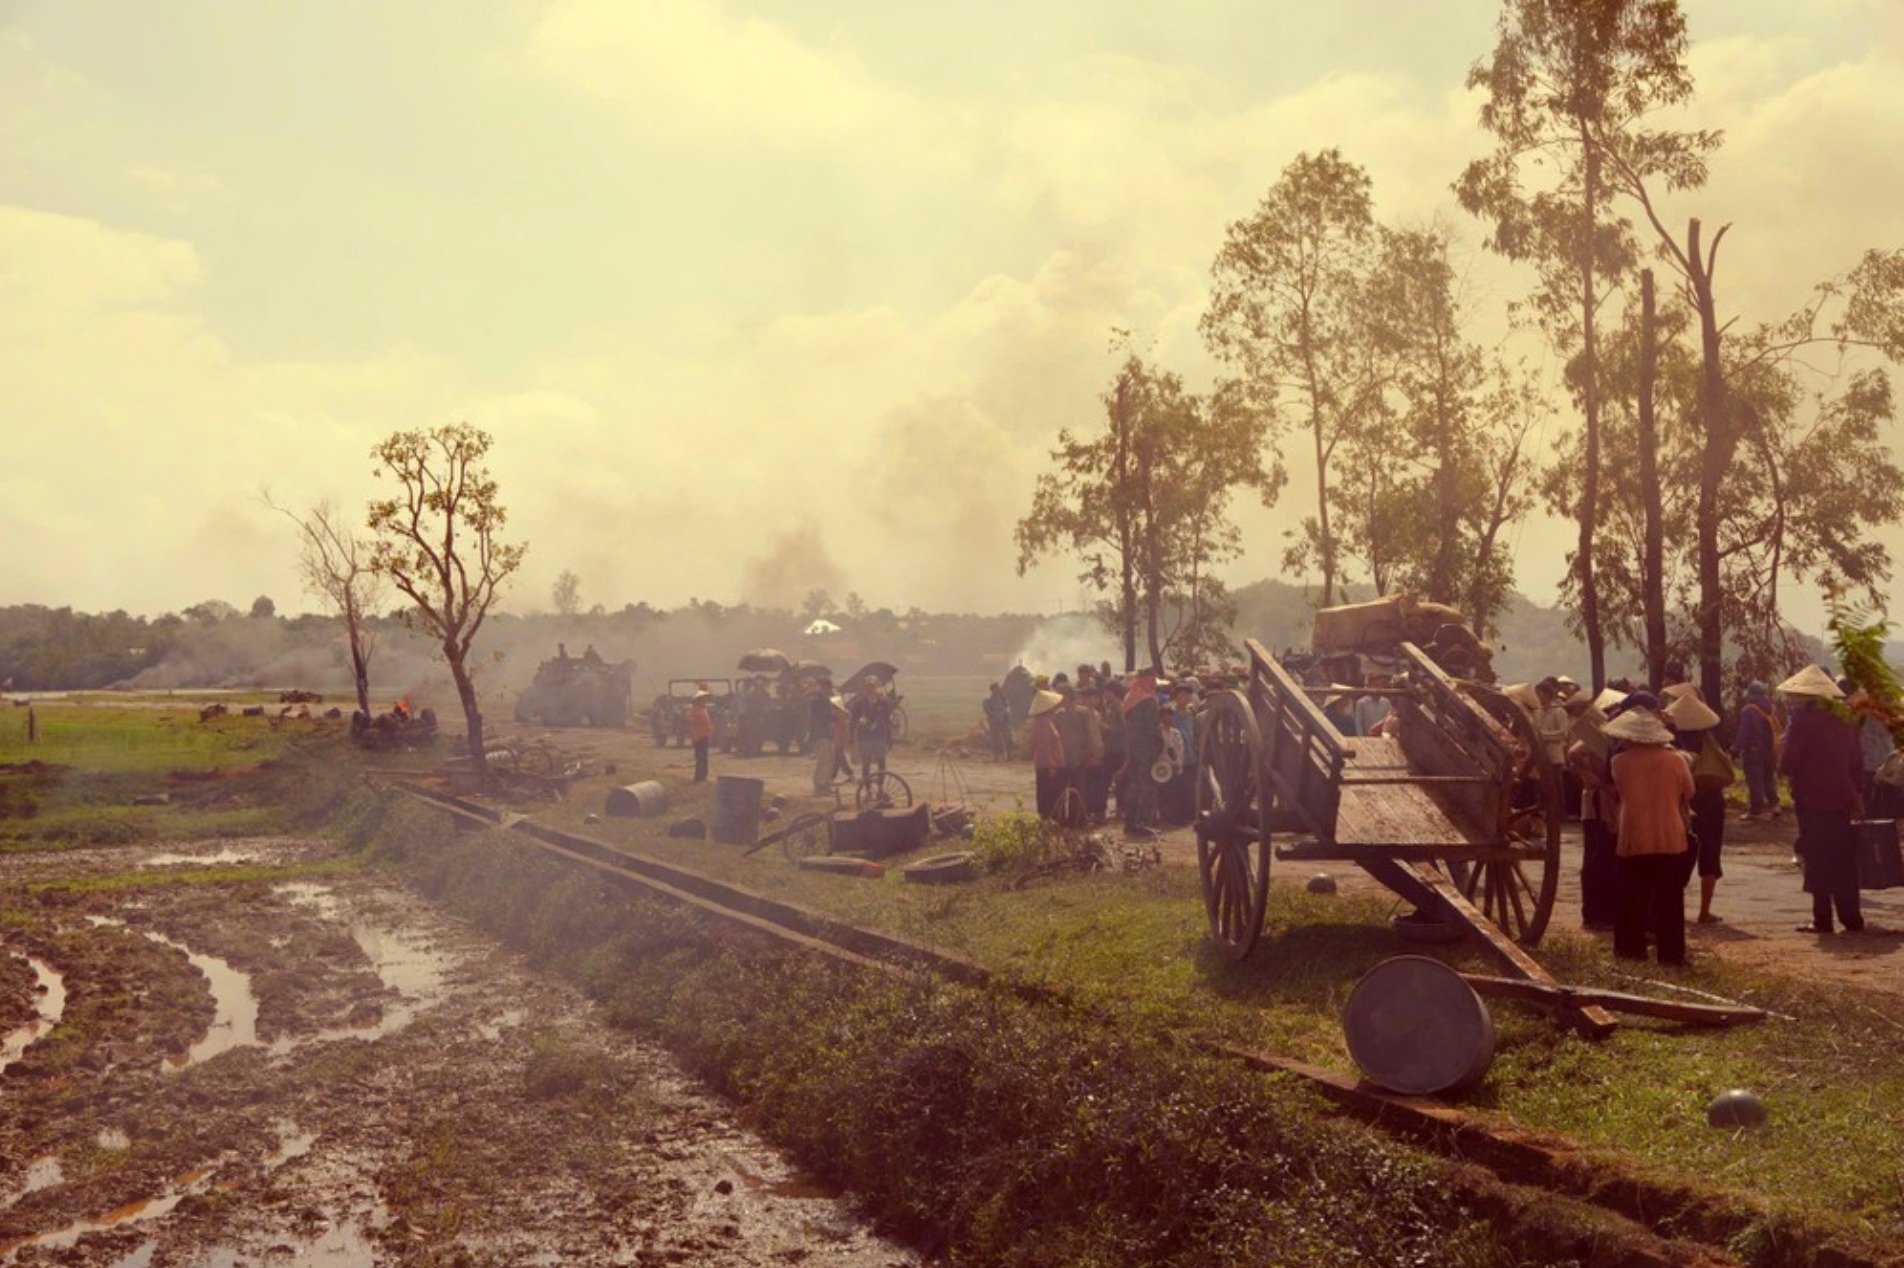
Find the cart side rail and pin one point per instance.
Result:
(1303, 752)
(1456, 736)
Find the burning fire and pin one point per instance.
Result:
(403, 708)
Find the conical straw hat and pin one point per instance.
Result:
(1811, 681)
(1637, 726)
(1676, 690)
(1524, 695)
(1690, 713)
(1044, 702)
(1609, 700)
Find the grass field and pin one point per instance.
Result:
(82, 780)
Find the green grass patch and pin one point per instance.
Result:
(109, 738)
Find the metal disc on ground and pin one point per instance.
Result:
(1414, 1026)
(1737, 1108)
(1321, 883)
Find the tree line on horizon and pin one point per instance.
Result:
(1708, 461)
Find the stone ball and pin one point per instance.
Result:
(1321, 883)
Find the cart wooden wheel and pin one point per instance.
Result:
(1232, 824)
(1518, 895)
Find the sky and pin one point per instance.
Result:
(754, 295)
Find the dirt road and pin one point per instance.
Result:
(328, 1071)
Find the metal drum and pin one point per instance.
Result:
(637, 800)
(737, 809)
(1415, 1027)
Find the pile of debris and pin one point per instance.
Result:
(404, 729)
(1356, 637)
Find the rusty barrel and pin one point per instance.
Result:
(737, 809)
(1415, 1027)
(637, 801)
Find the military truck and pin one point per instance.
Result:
(668, 715)
(580, 690)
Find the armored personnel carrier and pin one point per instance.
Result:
(580, 690)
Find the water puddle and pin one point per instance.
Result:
(344, 1246)
(309, 894)
(42, 1173)
(235, 1021)
(292, 1145)
(216, 859)
(49, 1000)
(131, 1213)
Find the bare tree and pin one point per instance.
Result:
(335, 565)
(437, 541)
(566, 593)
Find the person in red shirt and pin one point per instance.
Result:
(701, 732)
(1825, 764)
(1655, 788)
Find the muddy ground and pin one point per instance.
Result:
(325, 1070)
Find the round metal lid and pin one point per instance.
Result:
(1414, 1026)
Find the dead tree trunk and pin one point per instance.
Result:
(1653, 564)
(1721, 440)
(1590, 410)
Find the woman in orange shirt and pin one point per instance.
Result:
(1654, 781)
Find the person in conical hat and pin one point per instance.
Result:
(1047, 751)
(1638, 726)
(1673, 691)
(1693, 721)
(1608, 701)
(1825, 764)
(1689, 713)
(1655, 788)
(1810, 682)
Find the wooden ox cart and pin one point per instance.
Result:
(1457, 810)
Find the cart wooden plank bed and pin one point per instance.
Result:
(1457, 811)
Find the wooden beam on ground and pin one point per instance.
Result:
(1433, 890)
(1557, 995)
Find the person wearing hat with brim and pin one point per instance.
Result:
(1587, 758)
(700, 731)
(1047, 751)
(1693, 723)
(1655, 788)
(1825, 765)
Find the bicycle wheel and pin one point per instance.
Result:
(883, 791)
(807, 836)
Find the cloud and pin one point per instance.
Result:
(695, 70)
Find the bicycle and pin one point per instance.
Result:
(811, 834)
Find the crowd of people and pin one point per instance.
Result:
(1105, 747)
(1646, 774)
(1651, 773)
